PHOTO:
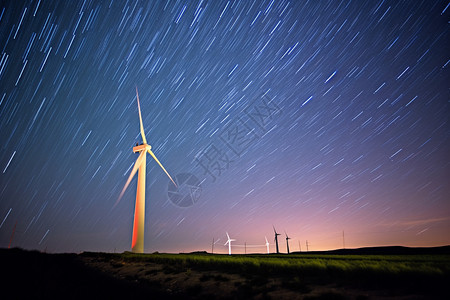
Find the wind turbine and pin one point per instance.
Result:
(287, 242)
(276, 239)
(267, 245)
(229, 243)
(212, 246)
(137, 243)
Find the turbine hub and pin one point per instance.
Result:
(142, 147)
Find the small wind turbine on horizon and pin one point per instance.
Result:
(212, 246)
(267, 245)
(137, 243)
(229, 243)
(287, 242)
(276, 239)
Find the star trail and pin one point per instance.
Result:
(316, 117)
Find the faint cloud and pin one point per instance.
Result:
(416, 222)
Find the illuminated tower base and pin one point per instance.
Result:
(137, 243)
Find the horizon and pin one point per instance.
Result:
(316, 118)
(248, 253)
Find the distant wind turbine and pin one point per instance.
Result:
(276, 239)
(267, 245)
(137, 243)
(212, 246)
(343, 240)
(287, 242)
(229, 243)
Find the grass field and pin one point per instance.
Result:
(369, 265)
(205, 276)
(416, 274)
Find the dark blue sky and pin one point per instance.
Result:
(316, 117)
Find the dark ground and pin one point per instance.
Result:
(36, 275)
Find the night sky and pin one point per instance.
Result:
(316, 117)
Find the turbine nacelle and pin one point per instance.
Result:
(229, 240)
(276, 233)
(142, 147)
(287, 238)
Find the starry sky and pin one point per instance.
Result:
(326, 119)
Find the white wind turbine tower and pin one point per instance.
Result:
(267, 245)
(229, 243)
(137, 243)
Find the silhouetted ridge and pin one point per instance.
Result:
(387, 250)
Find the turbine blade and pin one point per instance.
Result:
(140, 118)
(154, 157)
(266, 240)
(228, 235)
(136, 166)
